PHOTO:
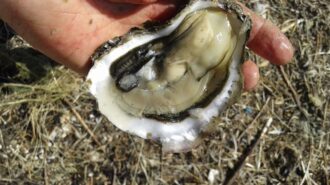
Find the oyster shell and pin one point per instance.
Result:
(167, 82)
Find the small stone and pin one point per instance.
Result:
(212, 175)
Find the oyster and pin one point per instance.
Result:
(167, 82)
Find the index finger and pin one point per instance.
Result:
(268, 41)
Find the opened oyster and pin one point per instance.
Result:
(168, 82)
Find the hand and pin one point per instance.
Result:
(69, 31)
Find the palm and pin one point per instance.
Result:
(71, 30)
(68, 31)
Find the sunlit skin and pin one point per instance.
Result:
(69, 31)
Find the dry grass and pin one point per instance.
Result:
(52, 133)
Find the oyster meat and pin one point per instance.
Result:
(167, 82)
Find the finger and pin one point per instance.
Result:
(133, 1)
(268, 41)
(251, 75)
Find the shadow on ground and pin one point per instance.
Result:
(20, 63)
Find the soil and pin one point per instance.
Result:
(52, 133)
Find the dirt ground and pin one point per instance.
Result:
(52, 133)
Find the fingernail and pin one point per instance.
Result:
(284, 50)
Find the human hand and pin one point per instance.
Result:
(69, 31)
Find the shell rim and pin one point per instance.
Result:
(187, 139)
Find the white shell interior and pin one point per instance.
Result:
(173, 136)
